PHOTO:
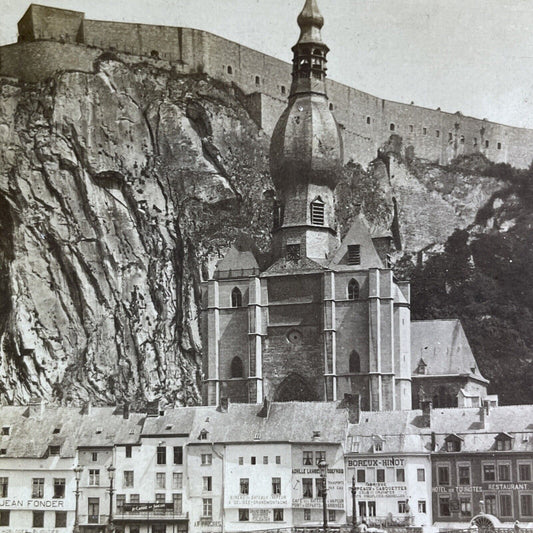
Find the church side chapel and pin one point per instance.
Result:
(325, 318)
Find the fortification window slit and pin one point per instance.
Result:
(392, 127)
(368, 120)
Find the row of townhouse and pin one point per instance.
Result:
(246, 467)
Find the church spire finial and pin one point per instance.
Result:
(310, 21)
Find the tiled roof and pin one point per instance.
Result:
(178, 421)
(32, 431)
(443, 346)
(286, 422)
(239, 257)
(359, 233)
(106, 426)
(284, 266)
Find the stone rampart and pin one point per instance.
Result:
(367, 121)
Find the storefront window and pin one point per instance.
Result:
(466, 506)
(506, 505)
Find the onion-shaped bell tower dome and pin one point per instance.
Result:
(306, 149)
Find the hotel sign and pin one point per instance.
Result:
(34, 504)
(467, 489)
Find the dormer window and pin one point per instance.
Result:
(504, 442)
(236, 297)
(293, 252)
(203, 435)
(378, 443)
(54, 450)
(453, 443)
(354, 254)
(317, 212)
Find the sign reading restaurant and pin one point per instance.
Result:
(12, 503)
(486, 486)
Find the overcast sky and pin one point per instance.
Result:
(473, 56)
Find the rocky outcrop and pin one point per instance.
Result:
(115, 188)
(119, 191)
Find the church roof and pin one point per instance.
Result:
(359, 233)
(285, 266)
(240, 258)
(443, 346)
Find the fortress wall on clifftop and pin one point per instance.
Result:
(365, 119)
(37, 61)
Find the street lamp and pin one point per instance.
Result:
(77, 473)
(111, 472)
(354, 514)
(323, 466)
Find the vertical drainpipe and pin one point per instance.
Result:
(222, 506)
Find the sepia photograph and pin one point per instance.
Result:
(266, 266)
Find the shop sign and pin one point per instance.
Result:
(261, 515)
(14, 503)
(316, 503)
(381, 490)
(383, 462)
(209, 525)
(317, 471)
(30, 530)
(467, 489)
(247, 500)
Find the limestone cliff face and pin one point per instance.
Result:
(119, 190)
(114, 188)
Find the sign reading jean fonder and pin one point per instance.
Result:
(19, 503)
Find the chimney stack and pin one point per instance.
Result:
(223, 404)
(126, 410)
(265, 409)
(426, 406)
(152, 408)
(352, 402)
(36, 407)
(484, 412)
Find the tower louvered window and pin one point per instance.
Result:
(354, 254)
(317, 212)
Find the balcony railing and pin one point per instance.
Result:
(98, 519)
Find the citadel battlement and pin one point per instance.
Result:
(53, 39)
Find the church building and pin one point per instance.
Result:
(324, 318)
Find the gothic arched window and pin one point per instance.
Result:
(355, 363)
(236, 298)
(237, 369)
(317, 212)
(353, 290)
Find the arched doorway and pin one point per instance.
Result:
(294, 388)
